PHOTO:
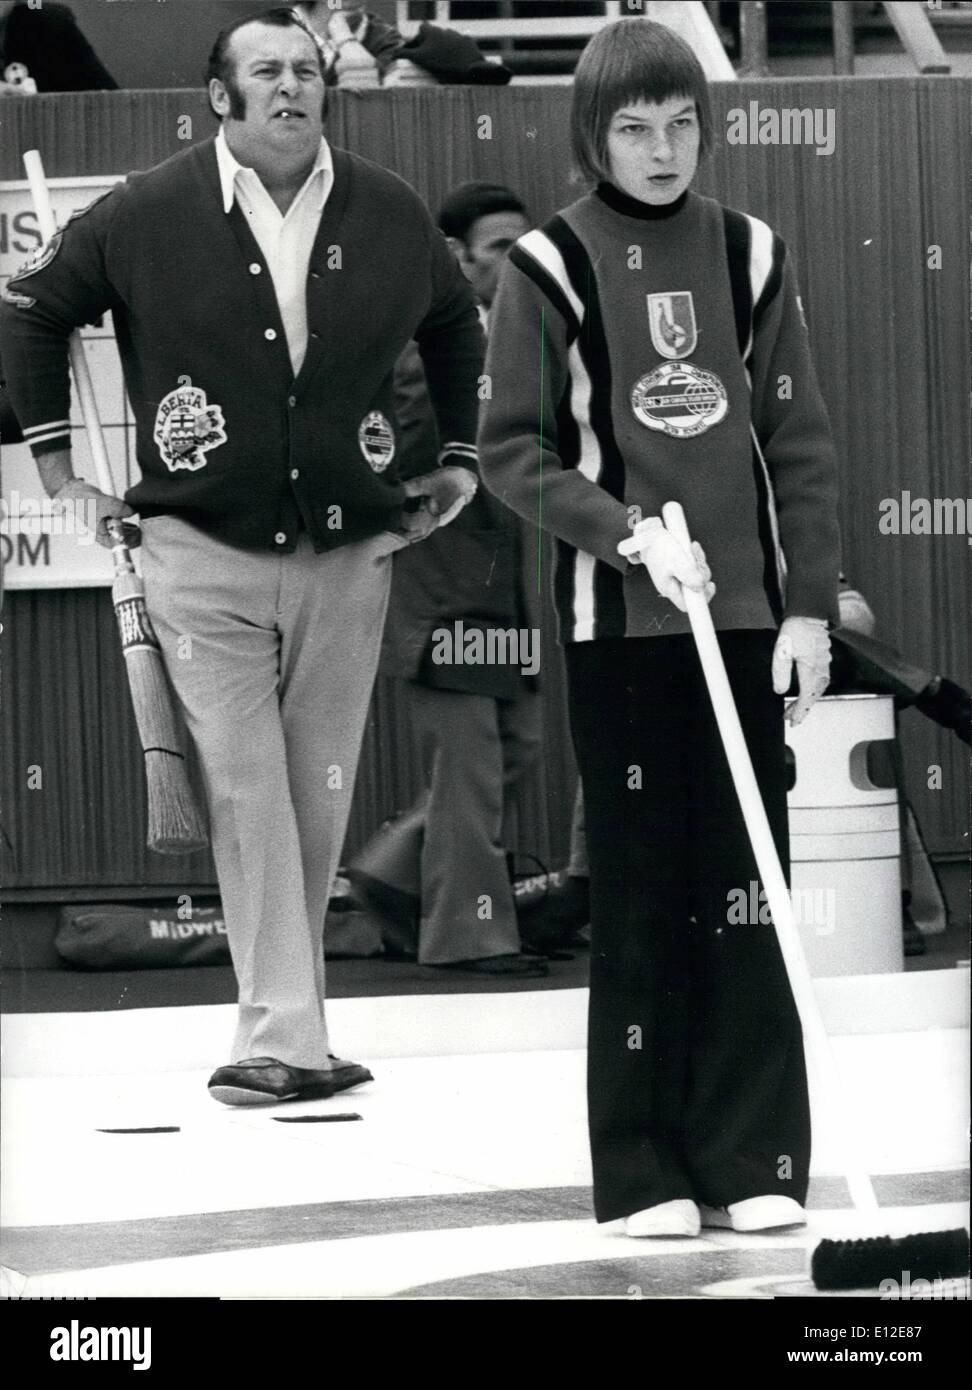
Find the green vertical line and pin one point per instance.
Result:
(540, 511)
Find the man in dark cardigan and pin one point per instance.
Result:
(263, 285)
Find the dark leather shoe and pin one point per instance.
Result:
(265, 1081)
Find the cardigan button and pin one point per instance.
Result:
(291, 401)
(295, 474)
(270, 334)
(281, 538)
(256, 268)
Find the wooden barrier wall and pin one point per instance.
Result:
(891, 339)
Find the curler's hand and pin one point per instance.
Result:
(806, 642)
(668, 562)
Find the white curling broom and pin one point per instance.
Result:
(835, 1264)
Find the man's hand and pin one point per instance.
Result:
(807, 642)
(443, 494)
(92, 505)
(668, 563)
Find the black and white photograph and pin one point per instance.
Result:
(485, 667)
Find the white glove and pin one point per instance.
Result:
(855, 612)
(667, 561)
(807, 642)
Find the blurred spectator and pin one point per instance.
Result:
(43, 50)
(479, 725)
(453, 58)
(359, 48)
(362, 50)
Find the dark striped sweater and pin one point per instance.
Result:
(639, 355)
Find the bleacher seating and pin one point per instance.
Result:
(540, 40)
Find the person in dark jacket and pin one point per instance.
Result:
(478, 720)
(43, 50)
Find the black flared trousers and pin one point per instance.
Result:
(696, 1078)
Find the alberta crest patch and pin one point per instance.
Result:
(186, 428)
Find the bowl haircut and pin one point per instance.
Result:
(628, 61)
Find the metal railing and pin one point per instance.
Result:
(911, 22)
(694, 20)
(556, 26)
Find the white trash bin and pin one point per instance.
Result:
(845, 845)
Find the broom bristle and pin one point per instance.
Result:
(864, 1264)
(175, 825)
(152, 701)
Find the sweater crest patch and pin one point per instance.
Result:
(376, 439)
(187, 427)
(40, 258)
(680, 399)
(671, 318)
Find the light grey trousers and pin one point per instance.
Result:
(475, 748)
(273, 658)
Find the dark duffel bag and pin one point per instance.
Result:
(115, 936)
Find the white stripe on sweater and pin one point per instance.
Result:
(591, 465)
(760, 265)
(48, 427)
(41, 434)
(540, 248)
(773, 519)
(455, 447)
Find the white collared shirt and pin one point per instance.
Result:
(286, 240)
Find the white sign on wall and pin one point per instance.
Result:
(39, 550)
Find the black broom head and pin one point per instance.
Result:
(864, 1264)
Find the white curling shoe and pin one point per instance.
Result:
(678, 1218)
(755, 1214)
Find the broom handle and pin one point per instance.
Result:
(41, 196)
(767, 861)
